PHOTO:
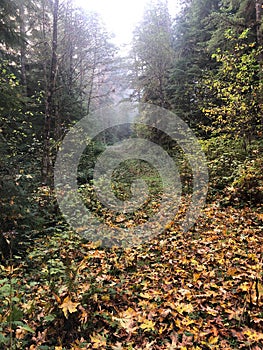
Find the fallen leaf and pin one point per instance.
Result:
(68, 306)
(148, 325)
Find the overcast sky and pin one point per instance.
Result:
(120, 16)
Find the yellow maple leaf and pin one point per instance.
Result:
(68, 306)
(244, 287)
(148, 325)
(145, 295)
(253, 335)
(213, 340)
(128, 313)
(232, 271)
(126, 320)
(98, 341)
(184, 308)
(105, 297)
(260, 289)
(196, 276)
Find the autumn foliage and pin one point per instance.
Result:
(197, 290)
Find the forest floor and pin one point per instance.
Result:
(197, 290)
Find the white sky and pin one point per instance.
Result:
(120, 16)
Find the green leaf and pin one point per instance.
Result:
(27, 328)
(49, 318)
(15, 315)
(3, 339)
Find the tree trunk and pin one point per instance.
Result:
(47, 159)
(259, 10)
(70, 30)
(23, 48)
(259, 4)
(4, 247)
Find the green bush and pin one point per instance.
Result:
(233, 166)
(248, 185)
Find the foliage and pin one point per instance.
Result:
(234, 172)
(15, 131)
(200, 290)
(84, 56)
(236, 107)
(225, 155)
(247, 187)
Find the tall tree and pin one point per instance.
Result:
(79, 64)
(49, 103)
(152, 53)
(22, 32)
(193, 29)
(11, 131)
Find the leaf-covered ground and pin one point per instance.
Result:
(197, 290)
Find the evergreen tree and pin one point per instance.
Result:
(9, 30)
(152, 54)
(192, 32)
